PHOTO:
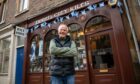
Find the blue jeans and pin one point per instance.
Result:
(63, 79)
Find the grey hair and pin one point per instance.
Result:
(62, 24)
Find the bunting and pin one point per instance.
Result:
(119, 4)
(74, 13)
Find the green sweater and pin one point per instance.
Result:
(63, 51)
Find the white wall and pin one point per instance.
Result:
(4, 80)
(10, 77)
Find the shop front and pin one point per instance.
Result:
(103, 52)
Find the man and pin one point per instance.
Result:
(62, 50)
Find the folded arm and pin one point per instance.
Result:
(57, 50)
(72, 51)
(63, 51)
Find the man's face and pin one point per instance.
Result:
(62, 31)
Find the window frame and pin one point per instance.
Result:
(20, 6)
(2, 11)
(9, 33)
(19, 39)
(1, 71)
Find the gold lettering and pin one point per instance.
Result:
(78, 6)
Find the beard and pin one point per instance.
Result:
(61, 36)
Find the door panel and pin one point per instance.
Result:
(35, 79)
(82, 77)
(19, 65)
(106, 79)
(102, 58)
(47, 78)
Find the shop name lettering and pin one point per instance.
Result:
(78, 6)
(20, 33)
(20, 30)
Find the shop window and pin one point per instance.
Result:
(4, 54)
(77, 34)
(97, 22)
(50, 35)
(102, 56)
(22, 5)
(36, 55)
(2, 11)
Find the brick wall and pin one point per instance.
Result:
(37, 7)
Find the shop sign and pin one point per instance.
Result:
(71, 12)
(20, 31)
(81, 14)
(65, 11)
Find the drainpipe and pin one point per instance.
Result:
(132, 30)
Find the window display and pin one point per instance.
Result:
(102, 56)
(36, 55)
(77, 34)
(51, 34)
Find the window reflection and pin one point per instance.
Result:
(36, 55)
(102, 56)
(4, 54)
(51, 34)
(77, 34)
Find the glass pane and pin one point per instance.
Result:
(97, 23)
(4, 54)
(49, 36)
(77, 34)
(20, 41)
(6, 60)
(101, 51)
(25, 2)
(36, 55)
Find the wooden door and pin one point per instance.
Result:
(103, 58)
(81, 68)
(35, 61)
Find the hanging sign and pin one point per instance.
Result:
(21, 31)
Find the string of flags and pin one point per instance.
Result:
(119, 4)
(74, 13)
